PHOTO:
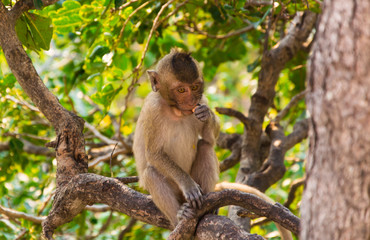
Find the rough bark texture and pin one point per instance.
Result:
(336, 202)
(251, 171)
(76, 188)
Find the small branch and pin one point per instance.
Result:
(107, 157)
(300, 132)
(173, 12)
(126, 21)
(296, 184)
(25, 5)
(99, 135)
(274, 168)
(127, 229)
(233, 142)
(23, 103)
(45, 203)
(30, 148)
(291, 104)
(234, 113)
(15, 214)
(15, 134)
(228, 35)
(257, 3)
(127, 4)
(135, 71)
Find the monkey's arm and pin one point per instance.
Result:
(211, 129)
(168, 168)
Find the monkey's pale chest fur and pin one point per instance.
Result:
(182, 139)
(176, 135)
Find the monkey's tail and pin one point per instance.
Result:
(284, 233)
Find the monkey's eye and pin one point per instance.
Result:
(181, 90)
(194, 87)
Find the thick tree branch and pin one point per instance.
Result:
(233, 143)
(300, 132)
(273, 61)
(234, 113)
(276, 212)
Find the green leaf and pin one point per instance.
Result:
(118, 3)
(67, 18)
(256, 24)
(41, 30)
(99, 51)
(253, 65)
(34, 31)
(15, 149)
(7, 82)
(38, 4)
(106, 95)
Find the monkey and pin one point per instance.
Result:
(175, 137)
(284, 233)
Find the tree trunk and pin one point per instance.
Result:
(336, 202)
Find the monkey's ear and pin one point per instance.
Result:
(153, 75)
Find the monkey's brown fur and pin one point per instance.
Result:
(174, 147)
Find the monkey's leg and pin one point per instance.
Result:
(164, 193)
(205, 169)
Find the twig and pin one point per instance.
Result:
(23, 103)
(99, 135)
(15, 214)
(257, 3)
(291, 104)
(173, 12)
(296, 184)
(234, 113)
(106, 157)
(21, 235)
(228, 35)
(110, 161)
(127, 4)
(267, 35)
(127, 229)
(127, 20)
(15, 134)
(136, 70)
(45, 203)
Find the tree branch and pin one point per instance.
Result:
(291, 104)
(15, 214)
(300, 132)
(277, 212)
(234, 113)
(195, 30)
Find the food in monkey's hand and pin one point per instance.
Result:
(193, 110)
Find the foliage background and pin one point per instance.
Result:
(94, 68)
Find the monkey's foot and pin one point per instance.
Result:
(186, 211)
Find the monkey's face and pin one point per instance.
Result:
(185, 96)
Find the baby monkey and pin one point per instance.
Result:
(175, 137)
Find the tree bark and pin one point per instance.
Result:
(336, 203)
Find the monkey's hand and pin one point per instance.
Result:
(186, 211)
(193, 195)
(202, 112)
